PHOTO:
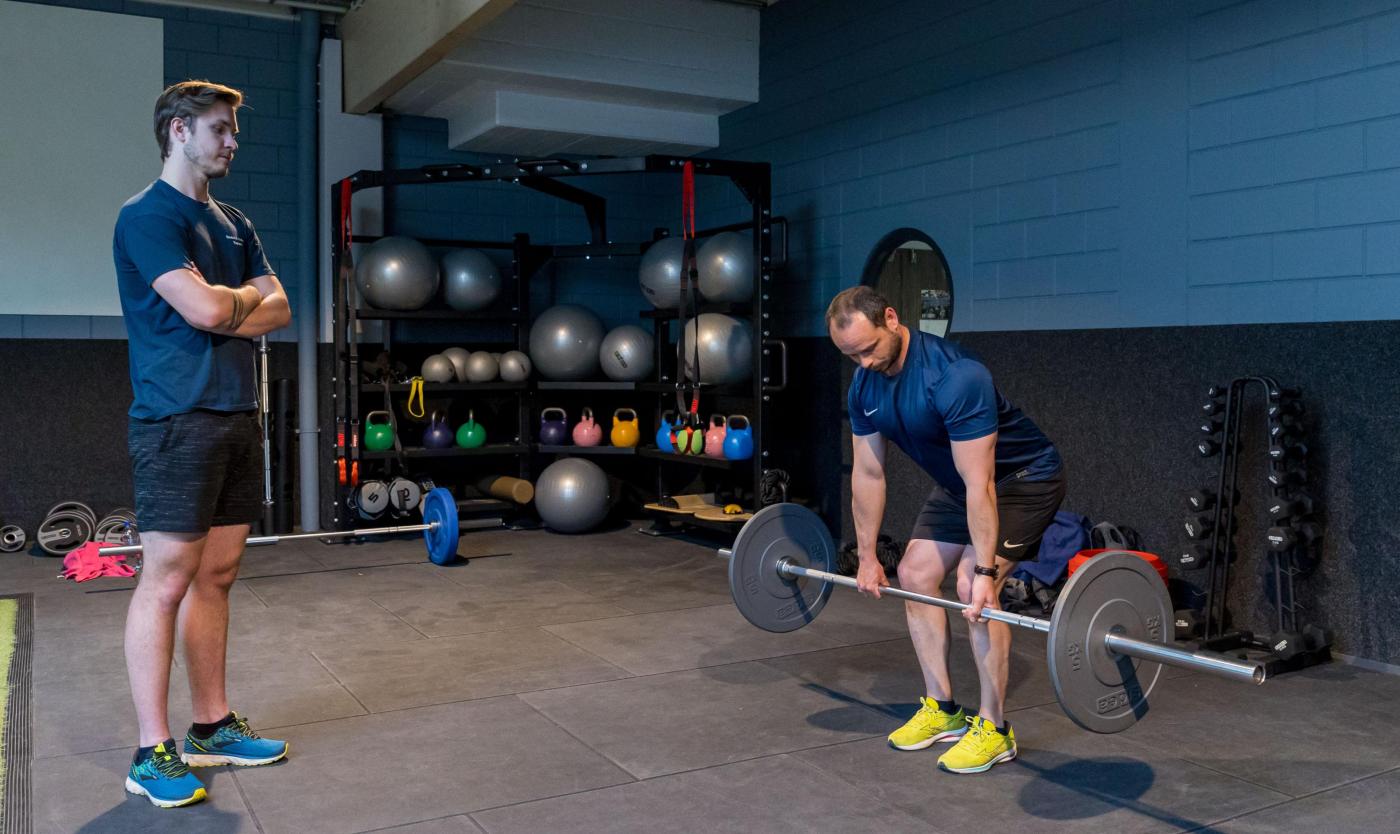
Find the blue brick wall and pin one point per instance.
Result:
(1090, 164)
(258, 56)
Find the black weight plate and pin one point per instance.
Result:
(12, 538)
(769, 601)
(1101, 690)
(440, 508)
(62, 533)
(73, 507)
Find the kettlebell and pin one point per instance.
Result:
(471, 434)
(404, 496)
(437, 435)
(625, 433)
(554, 432)
(738, 440)
(663, 431)
(688, 438)
(379, 436)
(587, 432)
(714, 438)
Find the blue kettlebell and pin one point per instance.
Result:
(437, 435)
(663, 431)
(554, 432)
(738, 438)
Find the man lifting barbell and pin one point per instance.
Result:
(998, 484)
(195, 287)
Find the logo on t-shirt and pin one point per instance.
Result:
(872, 411)
(235, 239)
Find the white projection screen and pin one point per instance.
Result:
(77, 89)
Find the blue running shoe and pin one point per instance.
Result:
(235, 743)
(161, 777)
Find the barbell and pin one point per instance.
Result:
(1106, 641)
(440, 530)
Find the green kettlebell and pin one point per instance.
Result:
(471, 434)
(379, 436)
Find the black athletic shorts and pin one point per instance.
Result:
(196, 470)
(1024, 511)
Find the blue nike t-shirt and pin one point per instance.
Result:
(940, 395)
(175, 367)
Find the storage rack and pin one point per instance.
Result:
(768, 236)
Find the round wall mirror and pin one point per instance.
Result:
(909, 270)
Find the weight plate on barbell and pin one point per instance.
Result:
(1099, 689)
(73, 507)
(769, 601)
(440, 508)
(59, 534)
(11, 538)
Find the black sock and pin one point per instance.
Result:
(1004, 728)
(142, 753)
(207, 730)
(950, 707)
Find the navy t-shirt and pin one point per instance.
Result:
(175, 367)
(942, 394)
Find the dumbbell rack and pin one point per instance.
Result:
(1294, 644)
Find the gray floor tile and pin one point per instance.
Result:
(886, 677)
(692, 638)
(353, 553)
(1365, 807)
(377, 771)
(457, 609)
(691, 719)
(91, 712)
(1294, 734)
(85, 794)
(329, 622)
(278, 560)
(458, 668)
(744, 797)
(350, 583)
(1064, 780)
(284, 689)
(850, 618)
(445, 825)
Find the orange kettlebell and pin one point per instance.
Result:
(625, 433)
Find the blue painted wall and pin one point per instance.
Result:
(1091, 164)
(258, 56)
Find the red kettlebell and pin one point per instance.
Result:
(587, 432)
(714, 438)
(687, 438)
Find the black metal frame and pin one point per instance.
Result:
(753, 179)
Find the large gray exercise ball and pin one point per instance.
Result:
(725, 352)
(725, 264)
(438, 368)
(515, 366)
(481, 367)
(660, 273)
(397, 273)
(572, 495)
(470, 279)
(458, 357)
(564, 342)
(628, 353)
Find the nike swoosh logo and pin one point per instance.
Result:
(1010, 546)
(871, 411)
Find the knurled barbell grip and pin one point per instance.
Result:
(1203, 661)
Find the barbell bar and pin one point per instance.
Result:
(1106, 641)
(440, 529)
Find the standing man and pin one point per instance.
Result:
(997, 486)
(195, 289)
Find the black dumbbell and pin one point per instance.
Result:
(1287, 451)
(1290, 507)
(1206, 448)
(1198, 526)
(1212, 408)
(1200, 500)
(1197, 557)
(1293, 408)
(1277, 394)
(1287, 645)
(1282, 475)
(1188, 623)
(1212, 426)
(1285, 536)
(1316, 637)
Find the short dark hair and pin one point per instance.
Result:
(186, 101)
(863, 300)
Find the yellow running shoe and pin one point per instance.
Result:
(929, 725)
(980, 748)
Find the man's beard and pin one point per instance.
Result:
(208, 166)
(894, 356)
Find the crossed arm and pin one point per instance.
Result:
(259, 306)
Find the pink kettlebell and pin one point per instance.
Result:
(714, 437)
(587, 432)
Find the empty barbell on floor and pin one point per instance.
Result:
(1106, 640)
(440, 530)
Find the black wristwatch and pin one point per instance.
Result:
(981, 571)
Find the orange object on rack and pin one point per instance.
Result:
(1151, 558)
